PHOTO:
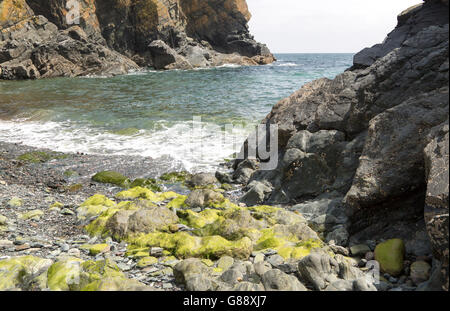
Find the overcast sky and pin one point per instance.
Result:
(323, 26)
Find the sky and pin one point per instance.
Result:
(323, 26)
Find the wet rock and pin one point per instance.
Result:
(203, 198)
(202, 180)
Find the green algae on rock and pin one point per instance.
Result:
(15, 202)
(96, 249)
(35, 214)
(111, 177)
(147, 261)
(175, 177)
(73, 274)
(94, 206)
(21, 272)
(40, 156)
(390, 255)
(149, 183)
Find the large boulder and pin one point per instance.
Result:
(436, 202)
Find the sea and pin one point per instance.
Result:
(197, 118)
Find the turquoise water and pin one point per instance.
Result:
(156, 109)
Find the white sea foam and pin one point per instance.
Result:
(287, 65)
(196, 147)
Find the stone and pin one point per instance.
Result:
(262, 267)
(111, 177)
(275, 260)
(20, 272)
(156, 251)
(202, 180)
(359, 250)
(74, 252)
(33, 215)
(256, 194)
(147, 261)
(232, 276)
(420, 272)
(15, 202)
(204, 198)
(189, 268)
(248, 287)
(390, 255)
(277, 280)
(339, 236)
(317, 269)
(150, 220)
(225, 262)
(362, 285)
(94, 250)
(259, 258)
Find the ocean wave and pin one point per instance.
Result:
(286, 65)
(198, 146)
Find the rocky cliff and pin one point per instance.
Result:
(116, 36)
(366, 153)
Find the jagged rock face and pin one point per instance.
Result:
(13, 11)
(165, 34)
(361, 137)
(436, 202)
(35, 48)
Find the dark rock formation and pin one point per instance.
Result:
(360, 139)
(165, 34)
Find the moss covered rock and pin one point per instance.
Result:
(15, 202)
(390, 255)
(65, 275)
(40, 156)
(175, 177)
(20, 272)
(148, 183)
(94, 206)
(147, 261)
(111, 177)
(34, 215)
(204, 198)
(151, 220)
(96, 249)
